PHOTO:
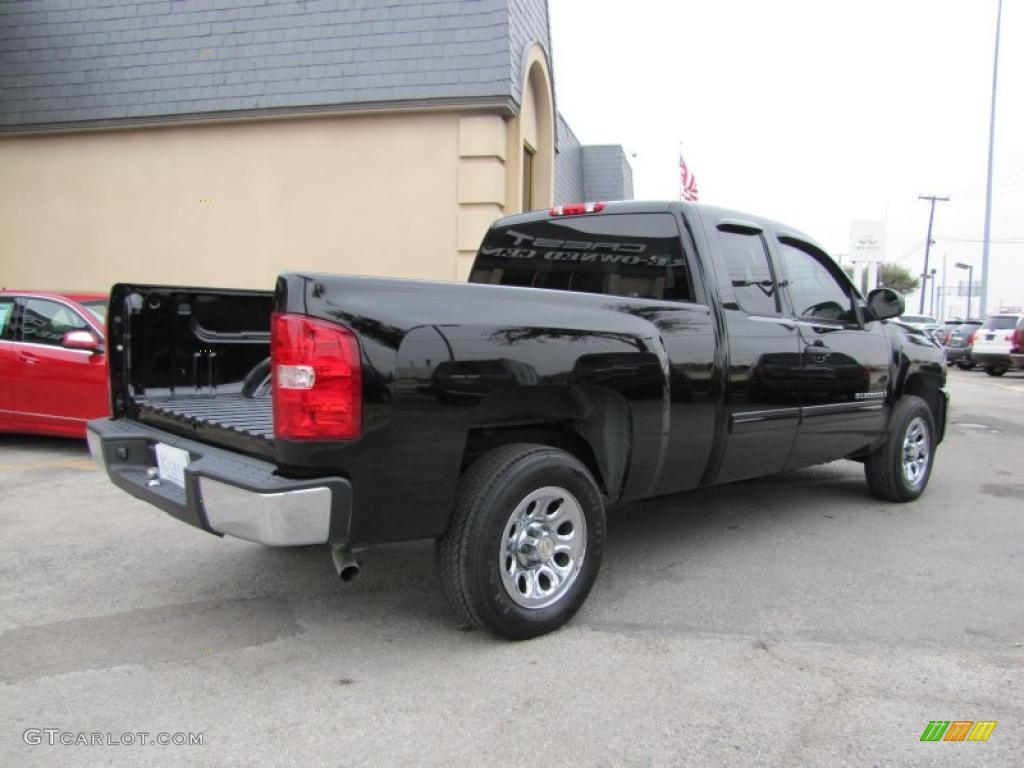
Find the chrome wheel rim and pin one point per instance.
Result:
(542, 547)
(916, 451)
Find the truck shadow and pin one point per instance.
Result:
(398, 584)
(44, 445)
(789, 497)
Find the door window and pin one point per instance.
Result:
(746, 259)
(46, 322)
(816, 293)
(6, 319)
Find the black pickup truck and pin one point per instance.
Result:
(600, 353)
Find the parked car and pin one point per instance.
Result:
(924, 323)
(53, 366)
(946, 330)
(999, 344)
(612, 353)
(958, 344)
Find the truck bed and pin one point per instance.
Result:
(251, 417)
(187, 355)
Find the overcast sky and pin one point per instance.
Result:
(815, 113)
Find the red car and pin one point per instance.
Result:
(53, 363)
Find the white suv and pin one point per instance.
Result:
(999, 344)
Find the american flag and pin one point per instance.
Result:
(687, 182)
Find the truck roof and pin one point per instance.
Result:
(665, 206)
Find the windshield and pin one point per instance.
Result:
(917, 319)
(1000, 323)
(97, 309)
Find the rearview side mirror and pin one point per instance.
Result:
(83, 340)
(884, 303)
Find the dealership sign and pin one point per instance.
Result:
(867, 241)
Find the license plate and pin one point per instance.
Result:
(989, 336)
(171, 463)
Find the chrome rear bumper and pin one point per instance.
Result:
(224, 493)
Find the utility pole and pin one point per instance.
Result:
(970, 282)
(931, 308)
(928, 243)
(945, 287)
(988, 187)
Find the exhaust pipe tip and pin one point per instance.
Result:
(345, 563)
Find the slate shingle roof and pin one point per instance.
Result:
(66, 61)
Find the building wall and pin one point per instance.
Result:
(234, 204)
(168, 143)
(483, 182)
(568, 166)
(607, 174)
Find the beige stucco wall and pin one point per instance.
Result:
(234, 204)
(401, 194)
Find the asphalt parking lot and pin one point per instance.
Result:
(787, 621)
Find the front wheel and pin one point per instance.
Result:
(900, 468)
(525, 541)
(991, 370)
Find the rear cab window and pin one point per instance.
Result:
(637, 255)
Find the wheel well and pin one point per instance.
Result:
(927, 388)
(561, 435)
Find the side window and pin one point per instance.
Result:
(6, 319)
(816, 293)
(46, 322)
(746, 259)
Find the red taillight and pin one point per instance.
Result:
(970, 339)
(1018, 342)
(575, 209)
(317, 382)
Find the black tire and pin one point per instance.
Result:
(991, 370)
(470, 555)
(964, 366)
(884, 469)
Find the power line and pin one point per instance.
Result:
(1006, 241)
(1012, 187)
(973, 188)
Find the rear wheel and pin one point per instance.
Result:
(991, 370)
(964, 366)
(525, 542)
(900, 468)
